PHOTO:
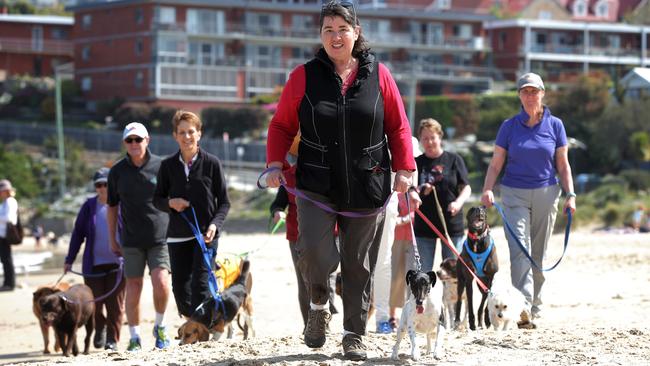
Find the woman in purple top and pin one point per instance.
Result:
(91, 226)
(533, 147)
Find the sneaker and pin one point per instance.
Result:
(384, 328)
(353, 348)
(134, 345)
(111, 346)
(99, 341)
(317, 324)
(159, 333)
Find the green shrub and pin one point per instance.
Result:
(237, 122)
(132, 112)
(638, 180)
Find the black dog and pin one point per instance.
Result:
(480, 254)
(234, 298)
(66, 312)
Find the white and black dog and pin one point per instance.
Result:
(421, 313)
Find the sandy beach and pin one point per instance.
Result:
(596, 306)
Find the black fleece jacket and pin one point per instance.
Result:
(205, 189)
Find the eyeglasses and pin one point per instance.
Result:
(101, 185)
(129, 140)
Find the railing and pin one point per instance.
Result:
(580, 50)
(23, 45)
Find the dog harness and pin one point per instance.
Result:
(479, 259)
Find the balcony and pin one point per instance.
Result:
(577, 53)
(45, 47)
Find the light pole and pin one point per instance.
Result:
(61, 71)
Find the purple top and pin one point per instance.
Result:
(531, 150)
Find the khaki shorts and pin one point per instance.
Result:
(135, 260)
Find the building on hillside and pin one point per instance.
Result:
(562, 41)
(34, 44)
(636, 83)
(198, 53)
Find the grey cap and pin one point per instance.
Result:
(530, 79)
(101, 175)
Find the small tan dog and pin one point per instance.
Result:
(41, 292)
(207, 320)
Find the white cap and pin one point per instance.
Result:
(530, 79)
(135, 129)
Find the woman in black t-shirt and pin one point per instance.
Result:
(446, 172)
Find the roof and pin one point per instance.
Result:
(637, 77)
(37, 19)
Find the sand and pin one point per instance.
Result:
(597, 302)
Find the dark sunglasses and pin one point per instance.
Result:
(100, 185)
(129, 140)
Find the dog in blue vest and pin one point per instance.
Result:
(480, 254)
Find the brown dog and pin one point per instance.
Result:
(480, 254)
(36, 308)
(208, 319)
(67, 311)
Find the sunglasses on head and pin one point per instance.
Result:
(129, 140)
(348, 4)
(101, 185)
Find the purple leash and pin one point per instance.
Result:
(321, 205)
(117, 284)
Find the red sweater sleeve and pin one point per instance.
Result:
(396, 124)
(284, 124)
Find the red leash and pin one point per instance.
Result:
(453, 249)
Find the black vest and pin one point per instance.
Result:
(343, 152)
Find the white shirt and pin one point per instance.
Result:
(8, 213)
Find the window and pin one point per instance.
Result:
(602, 9)
(59, 33)
(206, 53)
(86, 83)
(503, 40)
(37, 38)
(203, 21)
(377, 29)
(139, 16)
(580, 8)
(139, 79)
(166, 15)
(545, 15)
(139, 46)
(85, 53)
(462, 31)
(86, 21)
(443, 4)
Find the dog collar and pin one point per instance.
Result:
(473, 236)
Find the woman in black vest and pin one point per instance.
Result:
(349, 113)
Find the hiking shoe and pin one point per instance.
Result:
(162, 341)
(100, 338)
(317, 325)
(134, 345)
(384, 328)
(111, 346)
(353, 348)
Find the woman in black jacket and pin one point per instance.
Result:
(191, 178)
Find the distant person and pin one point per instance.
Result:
(8, 214)
(532, 146)
(350, 114)
(91, 228)
(446, 173)
(131, 185)
(190, 179)
(37, 233)
(638, 217)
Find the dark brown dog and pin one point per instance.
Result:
(209, 319)
(480, 254)
(36, 308)
(67, 311)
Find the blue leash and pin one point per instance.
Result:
(207, 257)
(523, 248)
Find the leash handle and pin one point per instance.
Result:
(567, 231)
(278, 225)
(321, 205)
(453, 250)
(212, 281)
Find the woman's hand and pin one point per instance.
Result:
(487, 198)
(179, 204)
(426, 189)
(210, 233)
(275, 178)
(67, 267)
(115, 248)
(278, 215)
(414, 200)
(402, 181)
(454, 207)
